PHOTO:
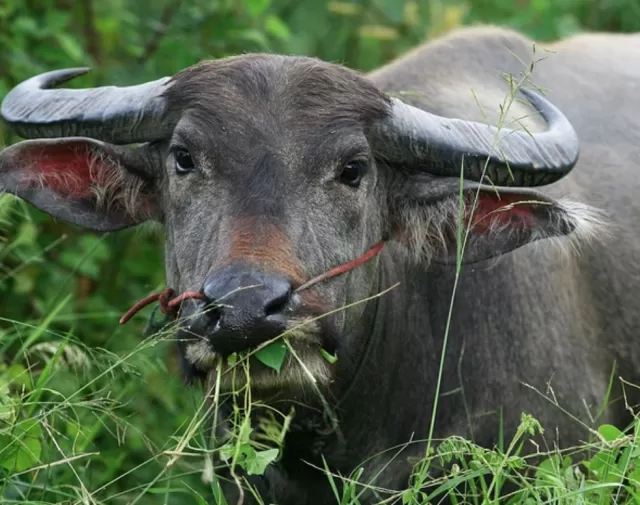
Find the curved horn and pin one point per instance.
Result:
(120, 115)
(438, 145)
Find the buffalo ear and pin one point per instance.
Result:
(431, 216)
(81, 181)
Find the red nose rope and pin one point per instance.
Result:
(170, 304)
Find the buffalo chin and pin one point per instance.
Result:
(300, 374)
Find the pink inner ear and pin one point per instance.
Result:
(69, 169)
(500, 210)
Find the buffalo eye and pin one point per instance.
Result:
(352, 173)
(184, 162)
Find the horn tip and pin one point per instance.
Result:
(55, 77)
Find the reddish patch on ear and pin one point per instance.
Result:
(265, 246)
(493, 210)
(64, 168)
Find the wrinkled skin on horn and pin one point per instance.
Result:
(277, 169)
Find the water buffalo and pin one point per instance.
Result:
(267, 170)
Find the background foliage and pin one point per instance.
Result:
(100, 412)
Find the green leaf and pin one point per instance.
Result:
(601, 461)
(393, 10)
(272, 355)
(244, 435)
(80, 434)
(27, 234)
(78, 262)
(232, 359)
(331, 358)
(24, 281)
(254, 36)
(257, 464)
(25, 25)
(256, 7)
(7, 405)
(19, 376)
(541, 5)
(22, 448)
(226, 452)
(610, 433)
(634, 476)
(344, 8)
(70, 46)
(276, 27)
(95, 247)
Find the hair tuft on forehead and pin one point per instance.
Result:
(290, 86)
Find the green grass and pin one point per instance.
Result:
(73, 430)
(75, 420)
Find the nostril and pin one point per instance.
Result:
(212, 311)
(278, 303)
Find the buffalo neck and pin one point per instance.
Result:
(390, 389)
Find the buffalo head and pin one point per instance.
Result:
(268, 170)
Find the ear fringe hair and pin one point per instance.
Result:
(592, 226)
(111, 186)
(431, 231)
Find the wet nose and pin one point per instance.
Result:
(248, 308)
